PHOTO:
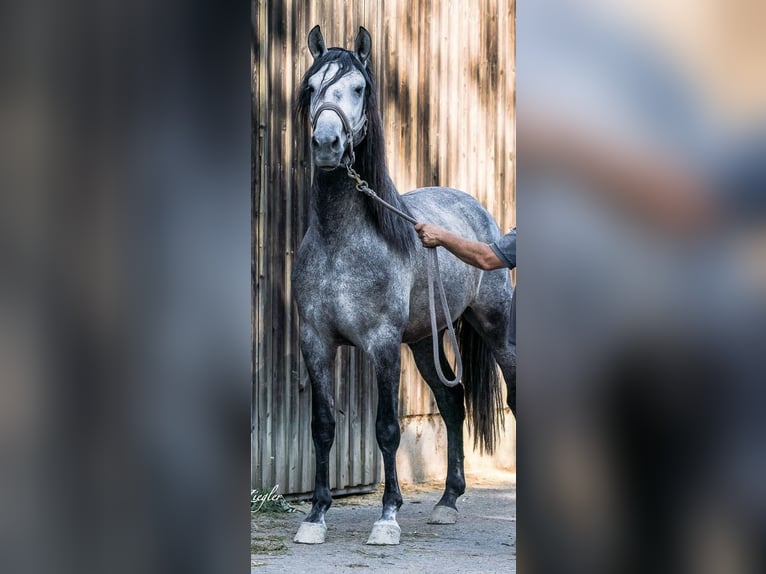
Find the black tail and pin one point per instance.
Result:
(483, 395)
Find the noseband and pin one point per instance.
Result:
(353, 136)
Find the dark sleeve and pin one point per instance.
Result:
(505, 248)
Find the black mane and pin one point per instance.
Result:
(370, 153)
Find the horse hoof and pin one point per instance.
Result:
(385, 532)
(443, 515)
(310, 533)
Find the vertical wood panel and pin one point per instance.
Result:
(445, 73)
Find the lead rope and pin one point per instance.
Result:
(433, 267)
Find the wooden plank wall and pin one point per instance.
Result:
(445, 73)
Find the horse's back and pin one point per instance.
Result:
(452, 209)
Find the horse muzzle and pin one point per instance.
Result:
(334, 136)
(328, 147)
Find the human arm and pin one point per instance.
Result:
(472, 252)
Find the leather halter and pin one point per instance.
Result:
(354, 135)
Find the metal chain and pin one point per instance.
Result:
(364, 187)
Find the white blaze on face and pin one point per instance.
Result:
(347, 93)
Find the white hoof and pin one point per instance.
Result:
(443, 515)
(311, 533)
(385, 532)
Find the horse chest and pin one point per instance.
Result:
(349, 286)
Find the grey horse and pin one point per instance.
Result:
(360, 279)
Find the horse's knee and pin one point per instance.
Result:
(388, 430)
(323, 431)
(388, 435)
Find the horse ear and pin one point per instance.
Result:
(316, 42)
(363, 45)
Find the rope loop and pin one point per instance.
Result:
(433, 274)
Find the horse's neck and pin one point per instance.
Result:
(338, 206)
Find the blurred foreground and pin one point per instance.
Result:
(642, 318)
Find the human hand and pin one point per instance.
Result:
(430, 235)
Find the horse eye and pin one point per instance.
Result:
(358, 90)
(310, 89)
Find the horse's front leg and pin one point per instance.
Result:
(386, 358)
(319, 356)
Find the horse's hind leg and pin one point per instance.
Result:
(452, 410)
(319, 357)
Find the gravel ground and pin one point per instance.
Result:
(483, 540)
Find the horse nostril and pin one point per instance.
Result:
(326, 141)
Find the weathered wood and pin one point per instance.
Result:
(445, 73)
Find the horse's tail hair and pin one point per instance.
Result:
(483, 394)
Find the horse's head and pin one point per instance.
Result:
(334, 93)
